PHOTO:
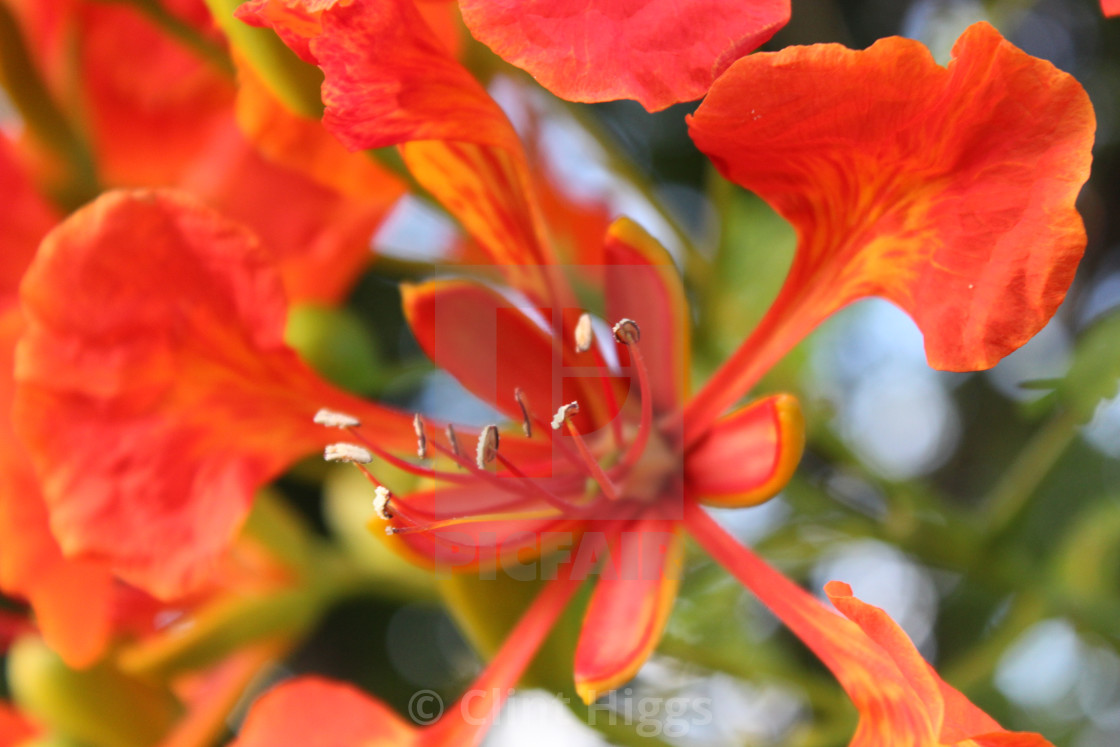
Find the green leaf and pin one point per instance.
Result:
(1095, 372)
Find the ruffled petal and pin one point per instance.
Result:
(389, 80)
(317, 712)
(900, 698)
(659, 53)
(748, 455)
(155, 392)
(303, 145)
(642, 283)
(949, 191)
(72, 599)
(492, 347)
(629, 607)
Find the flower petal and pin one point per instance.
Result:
(316, 712)
(630, 605)
(643, 284)
(660, 52)
(155, 391)
(72, 599)
(319, 237)
(152, 108)
(389, 81)
(1110, 7)
(492, 347)
(15, 729)
(749, 455)
(949, 191)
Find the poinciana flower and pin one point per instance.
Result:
(658, 53)
(635, 458)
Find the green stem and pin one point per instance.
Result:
(43, 118)
(1010, 497)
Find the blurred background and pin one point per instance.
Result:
(982, 511)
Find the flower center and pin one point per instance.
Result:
(629, 461)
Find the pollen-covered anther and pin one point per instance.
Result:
(381, 496)
(487, 446)
(526, 421)
(333, 419)
(563, 414)
(421, 437)
(453, 440)
(627, 332)
(345, 452)
(584, 335)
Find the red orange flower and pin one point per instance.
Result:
(1111, 7)
(140, 393)
(659, 53)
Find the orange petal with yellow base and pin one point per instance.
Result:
(949, 191)
(630, 605)
(643, 283)
(748, 455)
(900, 698)
(155, 392)
(660, 53)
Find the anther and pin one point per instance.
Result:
(526, 422)
(421, 437)
(453, 440)
(381, 498)
(584, 335)
(344, 452)
(563, 414)
(332, 419)
(627, 332)
(487, 446)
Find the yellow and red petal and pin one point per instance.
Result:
(155, 392)
(949, 191)
(659, 53)
(316, 711)
(746, 457)
(303, 145)
(630, 605)
(900, 698)
(492, 347)
(642, 283)
(951, 713)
